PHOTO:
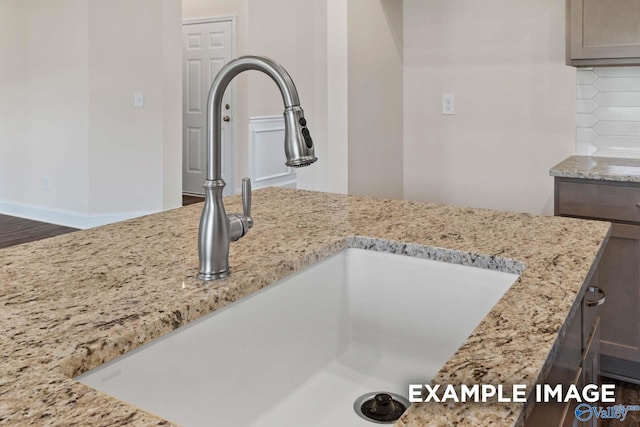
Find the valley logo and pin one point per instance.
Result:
(584, 412)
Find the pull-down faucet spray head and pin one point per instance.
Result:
(298, 145)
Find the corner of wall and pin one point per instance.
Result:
(375, 97)
(172, 104)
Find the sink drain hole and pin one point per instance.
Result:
(380, 407)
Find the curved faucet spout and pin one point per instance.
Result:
(217, 228)
(214, 102)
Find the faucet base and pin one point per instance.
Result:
(207, 277)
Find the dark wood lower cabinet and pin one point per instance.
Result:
(576, 363)
(618, 270)
(620, 279)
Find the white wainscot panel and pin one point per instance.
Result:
(266, 154)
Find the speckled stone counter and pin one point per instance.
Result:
(73, 302)
(598, 168)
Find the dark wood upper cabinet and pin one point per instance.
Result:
(603, 32)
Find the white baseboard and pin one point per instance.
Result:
(64, 217)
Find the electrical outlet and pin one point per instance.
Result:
(448, 103)
(45, 183)
(138, 99)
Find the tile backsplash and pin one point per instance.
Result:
(608, 112)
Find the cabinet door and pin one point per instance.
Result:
(565, 370)
(591, 368)
(603, 29)
(619, 277)
(591, 361)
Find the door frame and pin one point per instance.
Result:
(231, 89)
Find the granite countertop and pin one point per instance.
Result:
(73, 302)
(599, 168)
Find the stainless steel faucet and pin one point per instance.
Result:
(217, 229)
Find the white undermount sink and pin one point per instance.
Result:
(301, 351)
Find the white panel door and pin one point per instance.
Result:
(207, 47)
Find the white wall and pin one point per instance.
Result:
(334, 150)
(375, 97)
(292, 32)
(127, 144)
(70, 72)
(503, 60)
(327, 47)
(515, 102)
(172, 104)
(346, 61)
(43, 104)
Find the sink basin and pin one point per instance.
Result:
(301, 351)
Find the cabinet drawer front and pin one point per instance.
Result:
(605, 201)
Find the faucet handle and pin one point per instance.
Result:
(239, 225)
(246, 196)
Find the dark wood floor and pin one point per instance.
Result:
(14, 231)
(190, 200)
(626, 394)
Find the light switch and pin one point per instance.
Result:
(138, 99)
